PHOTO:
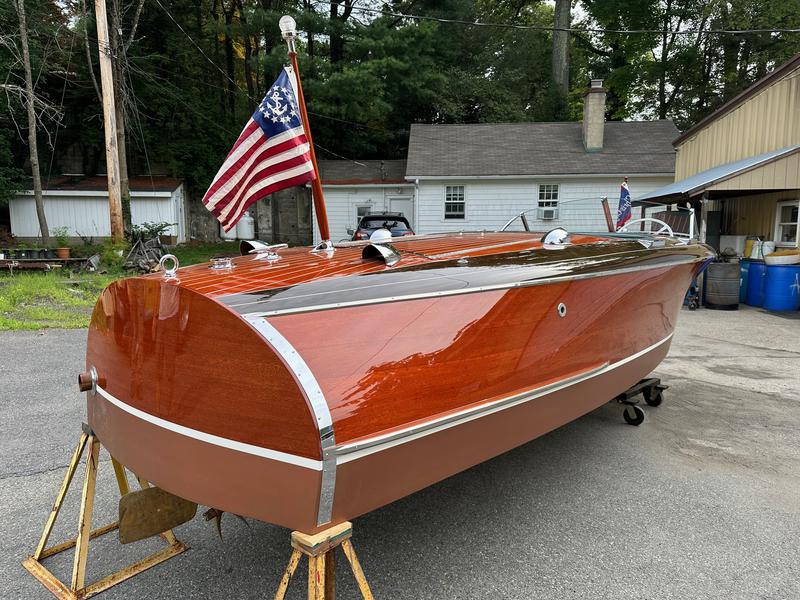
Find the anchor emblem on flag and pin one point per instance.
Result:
(277, 108)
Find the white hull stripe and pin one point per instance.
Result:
(300, 461)
(362, 448)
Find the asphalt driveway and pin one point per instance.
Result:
(701, 501)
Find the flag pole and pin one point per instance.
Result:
(289, 33)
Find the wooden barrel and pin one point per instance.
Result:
(722, 286)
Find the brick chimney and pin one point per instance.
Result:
(594, 116)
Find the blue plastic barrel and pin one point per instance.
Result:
(744, 272)
(755, 283)
(782, 287)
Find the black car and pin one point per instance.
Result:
(396, 223)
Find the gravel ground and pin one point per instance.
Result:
(701, 501)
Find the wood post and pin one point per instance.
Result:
(607, 213)
(110, 123)
(316, 183)
(320, 550)
(78, 588)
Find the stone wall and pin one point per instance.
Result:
(282, 217)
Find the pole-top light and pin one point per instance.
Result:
(288, 27)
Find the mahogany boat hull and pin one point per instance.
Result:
(259, 414)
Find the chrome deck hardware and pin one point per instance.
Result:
(171, 272)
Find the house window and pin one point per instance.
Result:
(547, 208)
(362, 211)
(454, 202)
(548, 195)
(786, 223)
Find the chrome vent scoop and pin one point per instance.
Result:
(379, 247)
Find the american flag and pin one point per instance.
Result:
(624, 210)
(272, 153)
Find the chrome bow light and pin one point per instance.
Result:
(288, 28)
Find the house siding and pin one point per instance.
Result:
(87, 215)
(491, 203)
(768, 121)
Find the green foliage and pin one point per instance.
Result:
(12, 178)
(61, 235)
(192, 254)
(47, 300)
(367, 76)
(112, 256)
(148, 231)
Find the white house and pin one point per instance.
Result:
(478, 176)
(355, 188)
(81, 205)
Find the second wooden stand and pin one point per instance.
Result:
(320, 550)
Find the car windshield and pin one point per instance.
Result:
(391, 223)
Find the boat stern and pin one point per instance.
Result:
(190, 396)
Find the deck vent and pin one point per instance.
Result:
(556, 237)
(384, 252)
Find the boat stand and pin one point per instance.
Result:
(78, 589)
(320, 550)
(651, 389)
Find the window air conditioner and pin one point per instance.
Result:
(547, 214)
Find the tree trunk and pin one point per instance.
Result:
(730, 57)
(230, 65)
(662, 71)
(561, 46)
(308, 7)
(248, 59)
(32, 147)
(337, 28)
(119, 111)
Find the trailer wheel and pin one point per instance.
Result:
(633, 415)
(653, 396)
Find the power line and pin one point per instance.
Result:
(390, 13)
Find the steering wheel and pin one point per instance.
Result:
(664, 226)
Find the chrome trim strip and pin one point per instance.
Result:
(209, 438)
(356, 450)
(461, 291)
(308, 383)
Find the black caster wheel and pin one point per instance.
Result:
(653, 396)
(633, 415)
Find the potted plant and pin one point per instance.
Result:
(62, 240)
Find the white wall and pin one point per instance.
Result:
(490, 203)
(341, 202)
(86, 214)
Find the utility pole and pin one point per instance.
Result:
(33, 149)
(110, 122)
(560, 74)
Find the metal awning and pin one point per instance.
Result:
(789, 177)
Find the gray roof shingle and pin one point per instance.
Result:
(488, 149)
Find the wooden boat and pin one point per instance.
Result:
(306, 388)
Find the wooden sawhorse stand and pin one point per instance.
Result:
(320, 550)
(78, 590)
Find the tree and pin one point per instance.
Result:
(30, 105)
(561, 46)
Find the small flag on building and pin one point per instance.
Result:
(272, 153)
(624, 210)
